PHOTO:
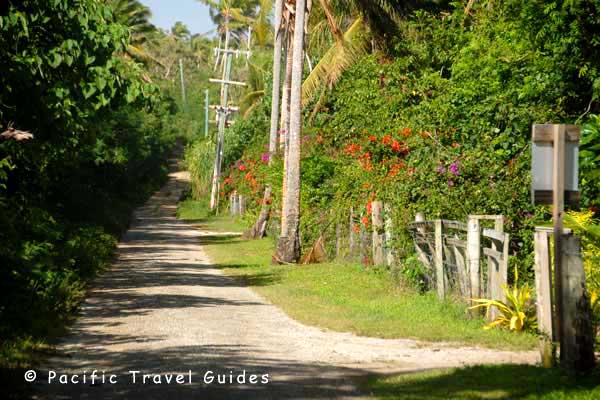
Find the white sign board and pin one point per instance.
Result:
(542, 166)
(543, 154)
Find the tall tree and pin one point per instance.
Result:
(288, 247)
(136, 17)
(352, 28)
(133, 15)
(259, 228)
(180, 31)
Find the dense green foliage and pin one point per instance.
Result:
(99, 148)
(441, 123)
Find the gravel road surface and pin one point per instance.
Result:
(163, 310)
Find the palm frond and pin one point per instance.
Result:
(250, 101)
(139, 54)
(336, 60)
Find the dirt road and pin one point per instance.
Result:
(163, 309)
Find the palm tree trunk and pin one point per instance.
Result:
(285, 100)
(288, 248)
(285, 121)
(260, 227)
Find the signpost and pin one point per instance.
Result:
(554, 181)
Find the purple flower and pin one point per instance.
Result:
(455, 168)
(450, 183)
(441, 169)
(265, 157)
(528, 215)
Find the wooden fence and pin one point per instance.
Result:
(470, 260)
(237, 204)
(465, 258)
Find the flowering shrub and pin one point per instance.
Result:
(446, 132)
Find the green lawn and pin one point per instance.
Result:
(505, 382)
(346, 297)
(197, 213)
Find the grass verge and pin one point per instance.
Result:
(197, 214)
(345, 297)
(502, 382)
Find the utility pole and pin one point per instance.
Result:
(223, 110)
(206, 113)
(182, 81)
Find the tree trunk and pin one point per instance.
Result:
(285, 100)
(288, 248)
(285, 122)
(260, 227)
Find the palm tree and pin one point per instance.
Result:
(180, 31)
(288, 247)
(259, 228)
(135, 16)
(352, 24)
(240, 13)
(201, 48)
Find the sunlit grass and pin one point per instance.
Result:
(346, 297)
(198, 214)
(502, 382)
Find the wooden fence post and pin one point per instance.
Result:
(338, 240)
(439, 260)
(578, 340)
(351, 236)
(543, 289)
(502, 271)
(364, 241)
(378, 235)
(473, 255)
(420, 217)
(497, 275)
(389, 254)
(241, 205)
(463, 276)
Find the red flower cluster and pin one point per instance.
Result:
(352, 149)
(395, 168)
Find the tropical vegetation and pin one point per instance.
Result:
(89, 114)
(426, 106)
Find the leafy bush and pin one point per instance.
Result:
(101, 137)
(589, 163)
(517, 313)
(442, 125)
(199, 159)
